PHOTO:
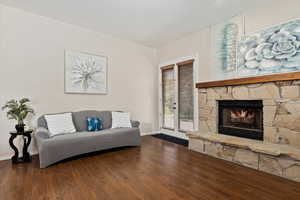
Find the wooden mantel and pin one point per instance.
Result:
(251, 80)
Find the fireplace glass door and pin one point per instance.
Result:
(241, 118)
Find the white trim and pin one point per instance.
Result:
(160, 121)
(174, 134)
(178, 60)
(8, 157)
(150, 133)
(176, 86)
(196, 67)
(5, 157)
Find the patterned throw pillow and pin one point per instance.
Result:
(94, 124)
(121, 120)
(60, 124)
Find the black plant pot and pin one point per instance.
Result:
(20, 128)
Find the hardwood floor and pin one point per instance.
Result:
(157, 170)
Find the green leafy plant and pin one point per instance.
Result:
(18, 110)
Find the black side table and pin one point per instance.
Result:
(27, 139)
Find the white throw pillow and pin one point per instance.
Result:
(120, 120)
(60, 124)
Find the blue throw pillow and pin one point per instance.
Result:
(94, 124)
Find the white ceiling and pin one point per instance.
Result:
(148, 22)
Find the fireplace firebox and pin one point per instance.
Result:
(241, 118)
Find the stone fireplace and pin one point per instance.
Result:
(241, 118)
(280, 102)
(255, 125)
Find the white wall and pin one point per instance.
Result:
(32, 65)
(265, 14)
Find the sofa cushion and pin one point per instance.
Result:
(60, 124)
(112, 135)
(80, 117)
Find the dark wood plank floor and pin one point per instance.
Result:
(157, 170)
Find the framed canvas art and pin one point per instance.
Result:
(85, 73)
(270, 51)
(224, 41)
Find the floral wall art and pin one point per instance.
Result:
(274, 50)
(85, 73)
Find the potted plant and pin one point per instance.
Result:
(18, 110)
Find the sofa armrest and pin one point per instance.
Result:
(42, 133)
(135, 124)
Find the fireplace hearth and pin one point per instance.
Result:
(241, 118)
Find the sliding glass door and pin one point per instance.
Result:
(177, 98)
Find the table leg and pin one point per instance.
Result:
(15, 158)
(26, 155)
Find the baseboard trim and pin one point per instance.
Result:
(5, 158)
(149, 133)
(8, 157)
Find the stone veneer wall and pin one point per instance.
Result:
(281, 110)
(281, 115)
(282, 166)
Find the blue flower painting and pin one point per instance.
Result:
(275, 50)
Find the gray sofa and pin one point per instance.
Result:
(57, 148)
